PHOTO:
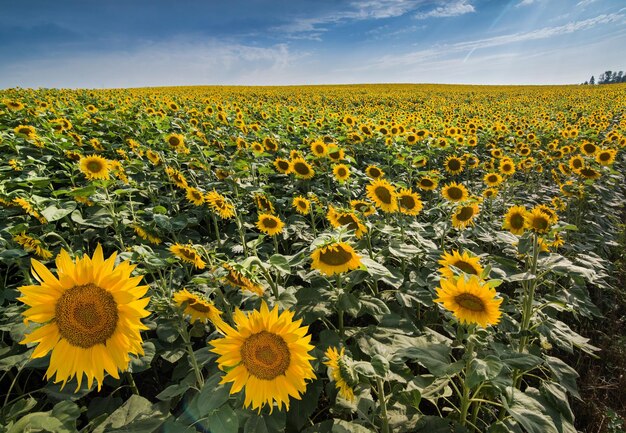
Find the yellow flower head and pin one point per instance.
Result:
(335, 258)
(470, 300)
(199, 309)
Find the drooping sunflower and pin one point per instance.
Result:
(270, 224)
(144, 234)
(374, 172)
(195, 306)
(263, 203)
(25, 130)
(189, 254)
(515, 220)
(348, 219)
(470, 300)
(454, 192)
(464, 215)
(537, 221)
(302, 205)
(91, 315)
(365, 207)
(268, 354)
(153, 157)
(335, 258)
(340, 373)
(465, 262)
(589, 173)
(302, 169)
(427, 183)
(94, 167)
(454, 165)
(219, 204)
(194, 196)
(237, 278)
(492, 179)
(32, 245)
(409, 202)
(341, 172)
(177, 177)
(383, 195)
(283, 166)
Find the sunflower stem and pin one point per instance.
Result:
(241, 233)
(184, 332)
(312, 215)
(383, 405)
(131, 382)
(340, 311)
(217, 230)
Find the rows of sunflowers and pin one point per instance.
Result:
(386, 258)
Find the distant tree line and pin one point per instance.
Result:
(608, 77)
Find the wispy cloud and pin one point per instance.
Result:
(357, 11)
(583, 3)
(444, 50)
(450, 9)
(525, 3)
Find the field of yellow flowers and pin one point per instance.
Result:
(381, 258)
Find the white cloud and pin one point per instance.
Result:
(525, 3)
(583, 3)
(450, 9)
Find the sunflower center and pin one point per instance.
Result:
(265, 355)
(407, 202)
(349, 220)
(341, 172)
(283, 165)
(455, 193)
(427, 183)
(174, 141)
(335, 256)
(517, 221)
(374, 172)
(454, 164)
(383, 194)
(466, 213)
(94, 166)
(506, 168)
(470, 302)
(301, 168)
(605, 156)
(492, 178)
(86, 315)
(269, 223)
(540, 223)
(466, 267)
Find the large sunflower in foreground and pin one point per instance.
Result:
(335, 258)
(268, 354)
(470, 300)
(465, 262)
(91, 315)
(94, 167)
(383, 195)
(196, 307)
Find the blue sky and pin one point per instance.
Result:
(111, 43)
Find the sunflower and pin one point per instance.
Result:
(490, 193)
(302, 169)
(515, 220)
(144, 234)
(13, 105)
(576, 162)
(263, 203)
(336, 154)
(176, 142)
(270, 144)
(319, 149)
(195, 196)
(94, 167)
(335, 258)
(465, 262)
(270, 224)
(492, 179)
(606, 156)
(268, 354)
(188, 254)
(32, 245)
(588, 148)
(362, 206)
(554, 217)
(589, 173)
(464, 215)
(236, 277)
(199, 309)
(470, 300)
(383, 195)
(341, 172)
(219, 205)
(409, 202)
(454, 192)
(91, 314)
(348, 219)
(454, 165)
(283, 166)
(537, 221)
(507, 167)
(177, 177)
(25, 130)
(302, 205)
(427, 183)
(340, 373)
(374, 172)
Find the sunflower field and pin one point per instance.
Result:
(382, 258)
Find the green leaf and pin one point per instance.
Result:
(255, 424)
(381, 365)
(349, 303)
(138, 365)
(565, 375)
(341, 426)
(482, 370)
(212, 395)
(528, 412)
(224, 420)
(137, 415)
(55, 213)
(434, 356)
(281, 263)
